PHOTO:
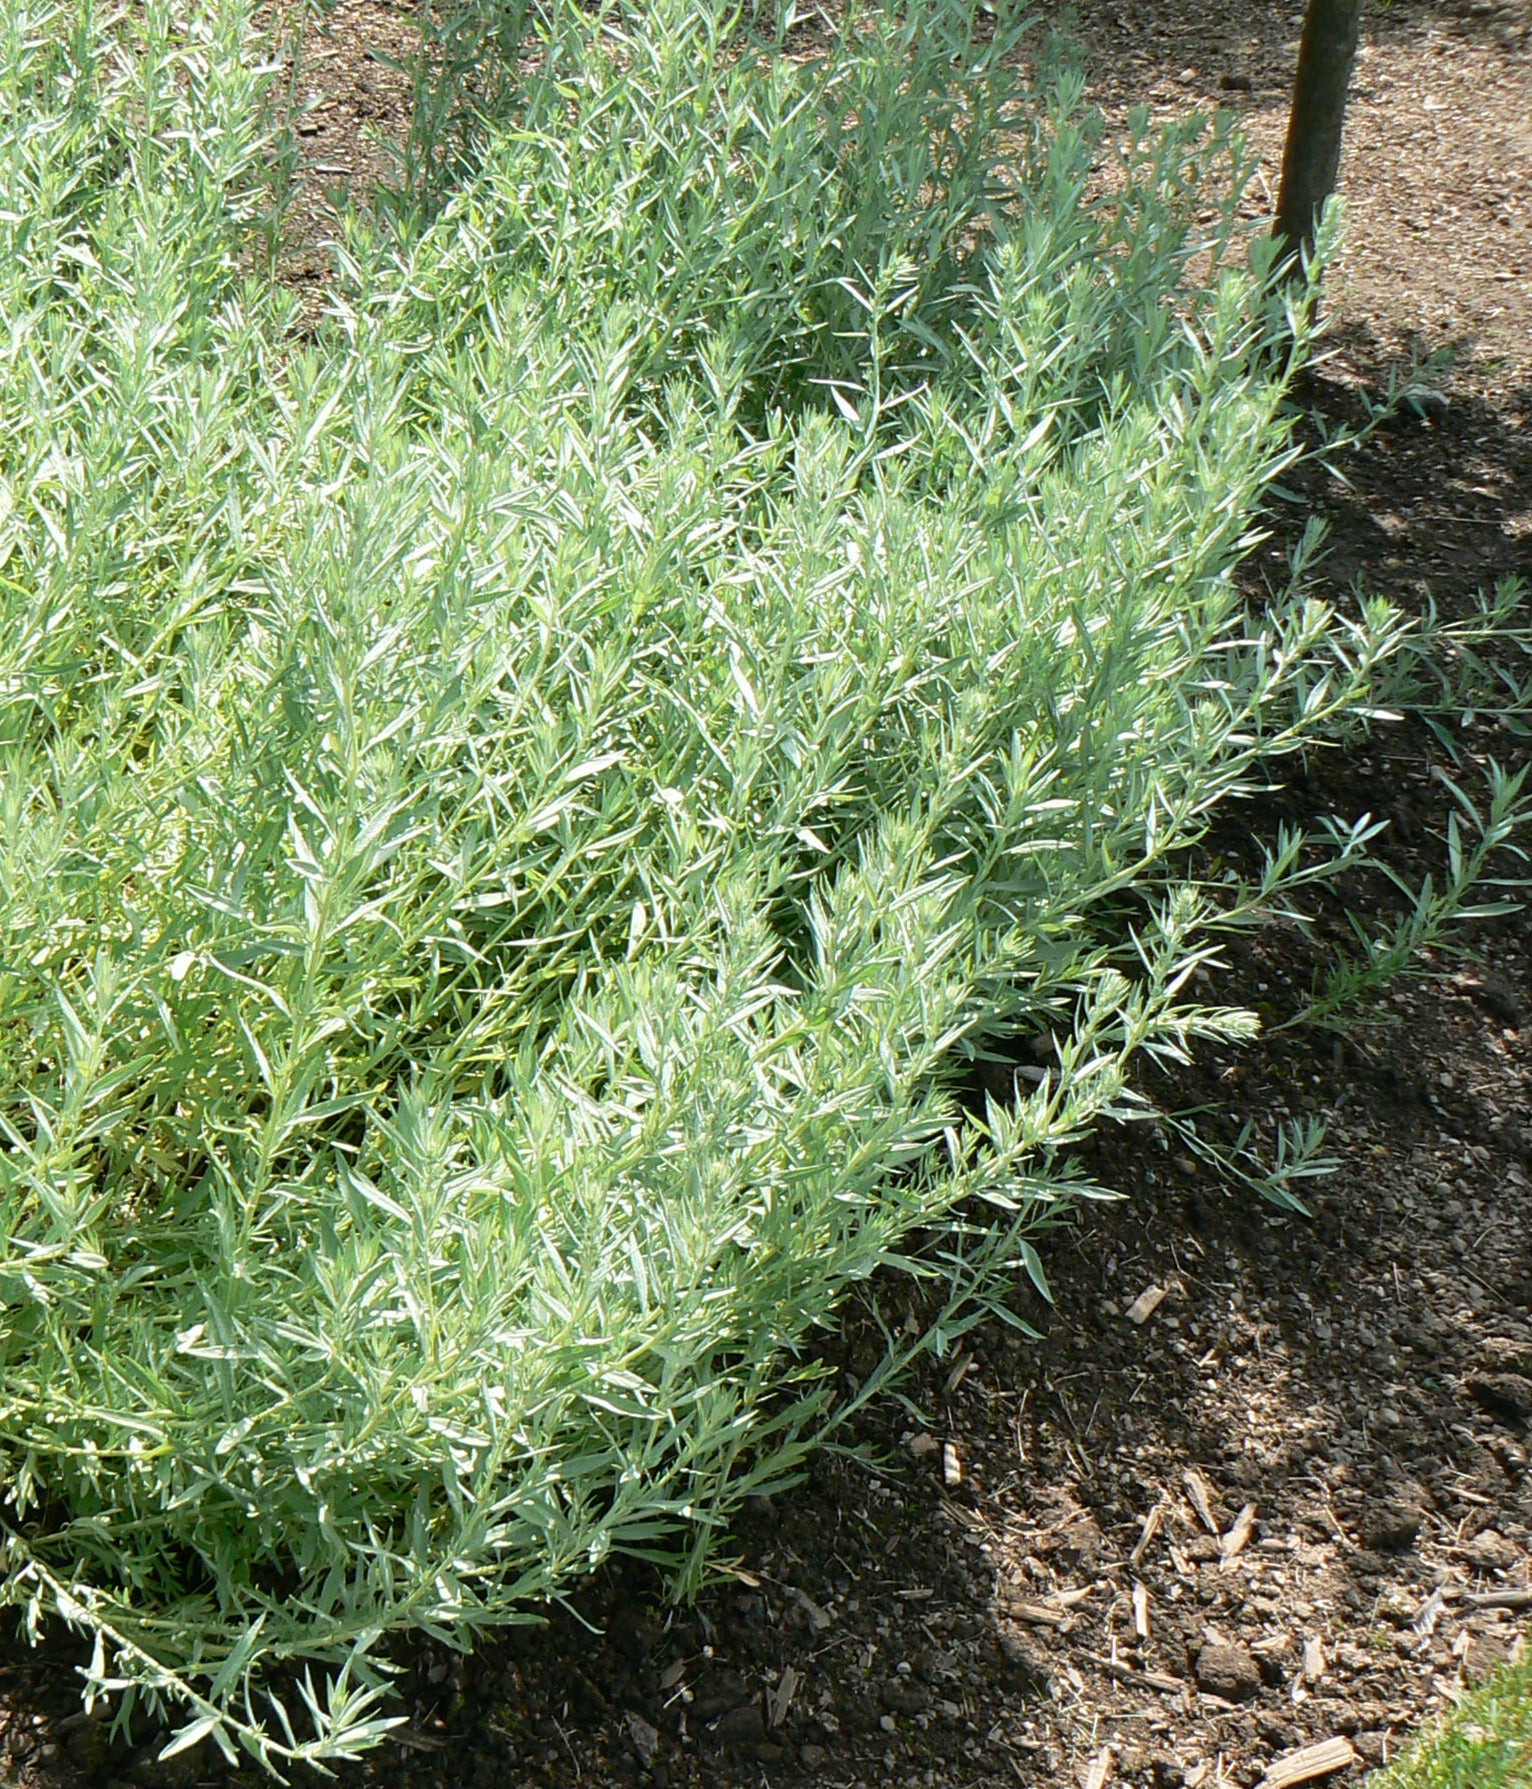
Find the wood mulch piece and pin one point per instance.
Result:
(1259, 1501)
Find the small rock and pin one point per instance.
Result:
(813, 1757)
(900, 1696)
(1399, 1609)
(1507, 1395)
(1277, 1731)
(1270, 1667)
(1500, 1000)
(1504, 1354)
(716, 1694)
(744, 1726)
(1490, 1551)
(646, 1738)
(1079, 1544)
(1391, 1526)
(1229, 1672)
(1027, 1666)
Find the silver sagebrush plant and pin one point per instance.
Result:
(522, 801)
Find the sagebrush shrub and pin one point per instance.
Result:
(522, 801)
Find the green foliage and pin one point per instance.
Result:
(1484, 1743)
(522, 802)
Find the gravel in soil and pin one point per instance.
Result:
(1263, 1481)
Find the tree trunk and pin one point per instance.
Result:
(1312, 153)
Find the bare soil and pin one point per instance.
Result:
(1263, 1481)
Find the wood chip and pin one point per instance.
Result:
(1151, 1680)
(961, 1368)
(1145, 1305)
(952, 1466)
(1038, 1614)
(1162, 1680)
(413, 1740)
(1321, 1760)
(1238, 1537)
(780, 1699)
(1141, 1611)
(1314, 1663)
(1500, 1599)
(1201, 1494)
(1100, 1769)
(1071, 1599)
(1429, 1614)
(1147, 1533)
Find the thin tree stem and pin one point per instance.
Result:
(1311, 157)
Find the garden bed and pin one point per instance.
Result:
(984, 1603)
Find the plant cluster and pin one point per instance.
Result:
(1483, 1742)
(523, 801)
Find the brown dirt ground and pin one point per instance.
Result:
(1294, 1502)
